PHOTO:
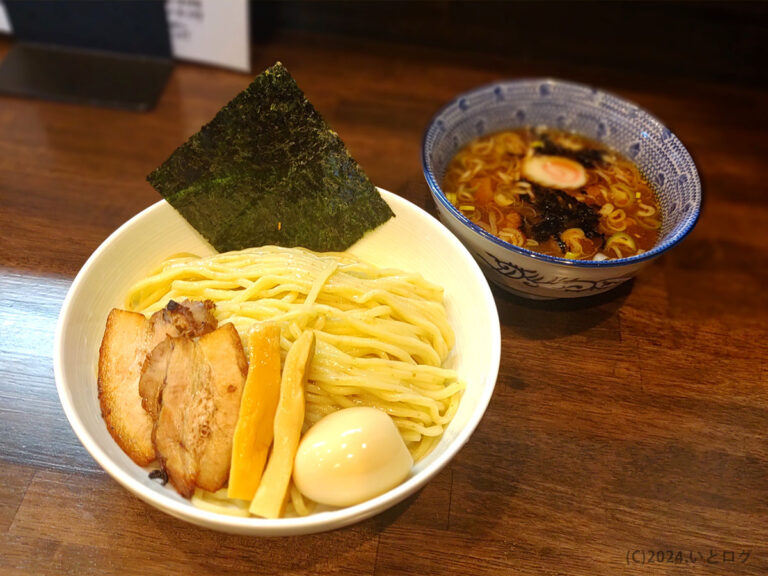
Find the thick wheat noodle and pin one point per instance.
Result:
(382, 335)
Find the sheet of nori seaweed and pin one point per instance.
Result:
(268, 170)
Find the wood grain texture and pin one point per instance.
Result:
(630, 422)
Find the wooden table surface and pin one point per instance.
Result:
(628, 433)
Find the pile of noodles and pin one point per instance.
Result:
(382, 335)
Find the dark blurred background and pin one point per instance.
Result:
(714, 40)
(723, 41)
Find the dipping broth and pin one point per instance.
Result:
(556, 193)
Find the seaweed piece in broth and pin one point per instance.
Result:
(562, 211)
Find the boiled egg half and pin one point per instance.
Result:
(554, 172)
(351, 456)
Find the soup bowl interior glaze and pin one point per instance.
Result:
(600, 116)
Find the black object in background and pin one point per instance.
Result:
(97, 52)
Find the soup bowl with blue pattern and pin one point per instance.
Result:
(566, 106)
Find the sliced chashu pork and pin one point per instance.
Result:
(191, 389)
(128, 339)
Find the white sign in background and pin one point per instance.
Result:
(209, 31)
(5, 24)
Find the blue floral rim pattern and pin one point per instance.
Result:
(535, 279)
(597, 114)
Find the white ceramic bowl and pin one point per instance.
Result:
(412, 241)
(601, 116)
